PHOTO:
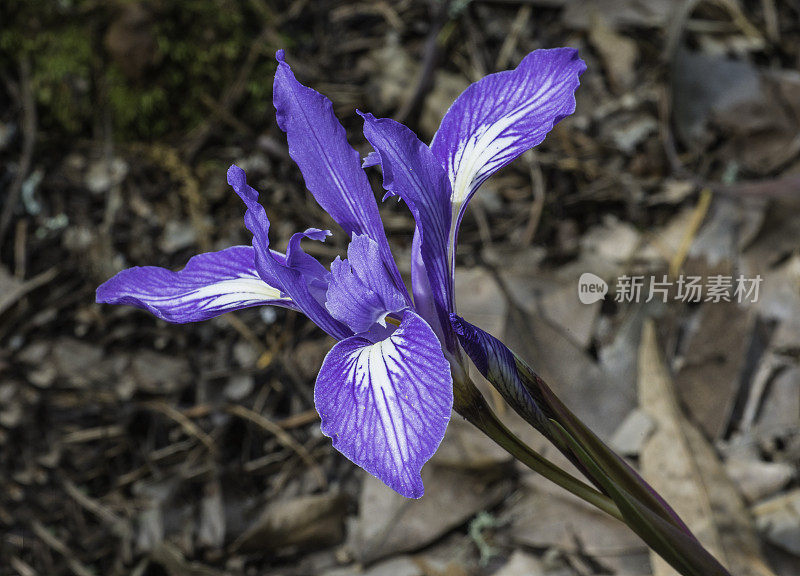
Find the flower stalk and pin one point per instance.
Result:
(637, 504)
(470, 403)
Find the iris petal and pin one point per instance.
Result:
(501, 116)
(330, 166)
(297, 274)
(411, 171)
(361, 292)
(386, 405)
(209, 285)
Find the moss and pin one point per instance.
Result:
(199, 48)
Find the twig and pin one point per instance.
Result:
(537, 204)
(699, 214)
(94, 434)
(52, 542)
(188, 426)
(299, 420)
(28, 143)
(511, 41)
(10, 298)
(22, 567)
(282, 436)
(430, 59)
(20, 244)
(117, 524)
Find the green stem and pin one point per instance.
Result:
(471, 404)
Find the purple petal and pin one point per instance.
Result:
(411, 171)
(361, 293)
(296, 274)
(497, 364)
(370, 160)
(209, 285)
(501, 116)
(386, 405)
(331, 168)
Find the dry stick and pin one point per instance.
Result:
(537, 204)
(54, 543)
(282, 436)
(298, 420)
(22, 567)
(430, 59)
(188, 426)
(511, 41)
(11, 297)
(28, 143)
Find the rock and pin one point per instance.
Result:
(778, 520)
(160, 374)
(238, 387)
(177, 235)
(757, 479)
(102, 175)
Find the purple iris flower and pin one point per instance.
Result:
(385, 390)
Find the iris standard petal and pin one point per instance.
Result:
(501, 116)
(331, 167)
(361, 293)
(209, 285)
(386, 405)
(294, 274)
(411, 171)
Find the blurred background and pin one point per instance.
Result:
(130, 446)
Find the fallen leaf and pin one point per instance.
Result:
(302, 523)
(468, 449)
(617, 13)
(573, 375)
(546, 516)
(757, 479)
(619, 53)
(390, 524)
(711, 370)
(704, 84)
(632, 433)
(683, 467)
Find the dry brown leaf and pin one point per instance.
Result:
(683, 467)
(305, 522)
(390, 524)
(545, 516)
(716, 355)
(619, 53)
